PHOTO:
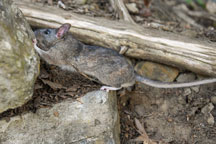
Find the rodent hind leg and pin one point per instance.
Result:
(107, 88)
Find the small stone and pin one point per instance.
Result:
(138, 18)
(169, 119)
(156, 71)
(196, 88)
(132, 7)
(207, 108)
(187, 92)
(181, 100)
(165, 106)
(189, 33)
(213, 99)
(210, 119)
(186, 77)
(140, 110)
(211, 6)
(155, 25)
(80, 2)
(211, 34)
(201, 77)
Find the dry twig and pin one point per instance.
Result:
(119, 7)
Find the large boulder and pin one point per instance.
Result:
(91, 120)
(19, 64)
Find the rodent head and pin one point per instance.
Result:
(48, 37)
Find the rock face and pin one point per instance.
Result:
(92, 120)
(19, 63)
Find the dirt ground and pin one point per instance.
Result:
(168, 116)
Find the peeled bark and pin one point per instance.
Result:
(193, 54)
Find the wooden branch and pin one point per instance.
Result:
(171, 49)
(119, 7)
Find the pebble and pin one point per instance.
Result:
(207, 108)
(187, 92)
(186, 77)
(211, 7)
(196, 88)
(210, 119)
(140, 110)
(213, 99)
(132, 7)
(156, 71)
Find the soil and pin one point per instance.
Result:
(168, 116)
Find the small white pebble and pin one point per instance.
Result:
(61, 4)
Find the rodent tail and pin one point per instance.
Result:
(159, 84)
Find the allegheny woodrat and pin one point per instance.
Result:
(58, 47)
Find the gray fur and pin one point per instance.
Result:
(105, 64)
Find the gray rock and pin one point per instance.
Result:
(186, 77)
(210, 119)
(207, 108)
(19, 64)
(92, 120)
(213, 100)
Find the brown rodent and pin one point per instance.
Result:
(60, 48)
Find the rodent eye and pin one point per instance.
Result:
(47, 32)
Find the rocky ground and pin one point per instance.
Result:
(152, 115)
(53, 86)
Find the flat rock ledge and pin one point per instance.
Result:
(93, 119)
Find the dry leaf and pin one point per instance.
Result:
(143, 135)
(72, 89)
(56, 114)
(43, 74)
(79, 100)
(38, 86)
(53, 85)
(72, 94)
(140, 128)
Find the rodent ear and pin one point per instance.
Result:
(63, 30)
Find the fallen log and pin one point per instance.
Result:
(193, 54)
